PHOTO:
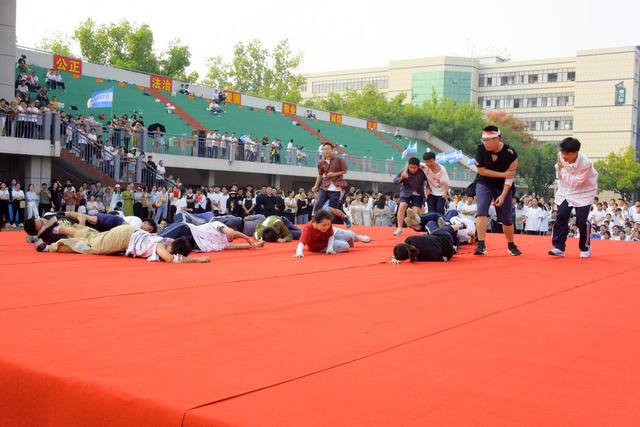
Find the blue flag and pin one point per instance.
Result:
(102, 99)
(411, 148)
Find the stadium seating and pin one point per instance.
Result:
(130, 99)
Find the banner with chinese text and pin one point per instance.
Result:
(372, 125)
(161, 83)
(71, 65)
(233, 97)
(335, 118)
(289, 108)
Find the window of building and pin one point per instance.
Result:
(552, 77)
(489, 81)
(516, 103)
(533, 78)
(571, 76)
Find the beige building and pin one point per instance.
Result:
(592, 96)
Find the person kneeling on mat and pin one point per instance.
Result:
(430, 222)
(319, 236)
(437, 246)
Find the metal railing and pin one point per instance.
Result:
(118, 165)
(30, 125)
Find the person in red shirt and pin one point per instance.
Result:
(319, 236)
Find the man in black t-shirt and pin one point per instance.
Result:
(497, 163)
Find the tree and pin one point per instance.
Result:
(256, 70)
(125, 45)
(175, 60)
(58, 43)
(536, 167)
(459, 125)
(620, 172)
(512, 131)
(536, 164)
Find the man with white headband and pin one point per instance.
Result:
(497, 163)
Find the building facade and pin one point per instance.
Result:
(592, 96)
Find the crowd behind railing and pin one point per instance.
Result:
(106, 143)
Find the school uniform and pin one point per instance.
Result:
(577, 186)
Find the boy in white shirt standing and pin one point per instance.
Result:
(577, 186)
(438, 179)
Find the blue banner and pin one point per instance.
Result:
(102, 99)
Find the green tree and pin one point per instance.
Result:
(459, 125)
(58, 43)
(536, 164)
(175, 60)
(256, 70)
(536, 167)
(620, 172)
(128, 45)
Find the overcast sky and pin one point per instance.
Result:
(335, 35)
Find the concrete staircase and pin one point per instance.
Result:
(178, 110)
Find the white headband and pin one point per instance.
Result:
(487, 134)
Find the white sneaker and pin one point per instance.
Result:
(585, 254)
(412, 219)
(556, 252)
(364, 239)
(398, 232)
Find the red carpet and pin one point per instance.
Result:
(259, 338)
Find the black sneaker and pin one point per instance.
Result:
(513, 250)
(347, 221)
(480, 249)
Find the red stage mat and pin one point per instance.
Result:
(259, 338)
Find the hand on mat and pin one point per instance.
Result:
(203, 259)
(259, 244)
(298, 256)
(331, 252)
(281, 240)
(394, 261)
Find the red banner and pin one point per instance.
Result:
(233, 97)
(289, 108)
(335, 118)
(372, 125)
(161, 83)
(64, 63)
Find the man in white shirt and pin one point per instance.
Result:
(599, 214)
(577, 186)
(210, 150)
(217, 143)
(160, 171)
(223, 197)
(438, 179)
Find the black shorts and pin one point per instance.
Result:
(413, 201)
